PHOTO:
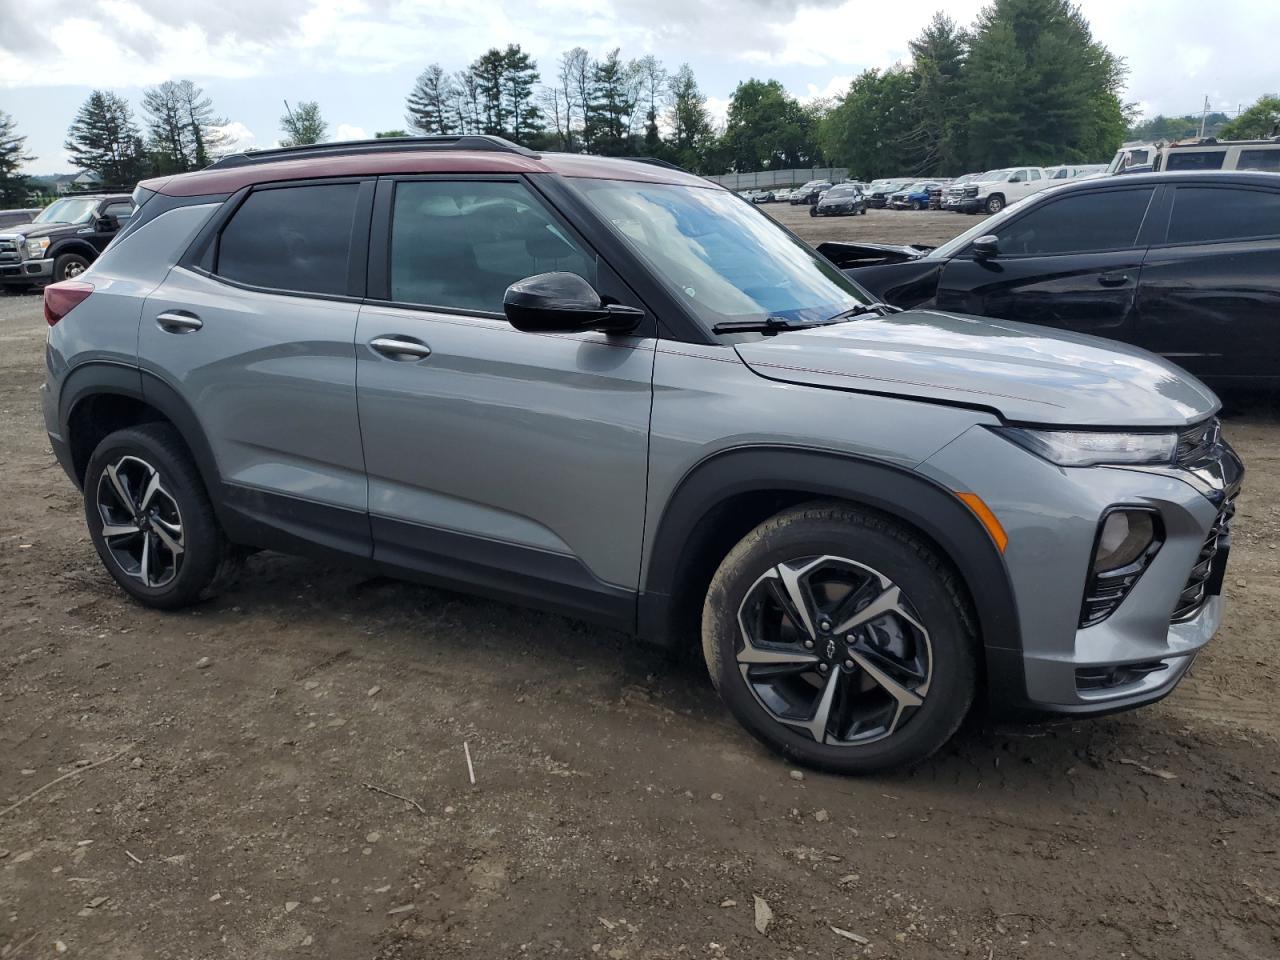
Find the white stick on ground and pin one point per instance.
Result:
(66, 776)
(471, 771)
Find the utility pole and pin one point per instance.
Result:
(1204, 117)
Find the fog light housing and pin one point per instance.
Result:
(1128, 539)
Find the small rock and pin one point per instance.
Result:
(717, 796)
(891, 836)
(307, 940)
(848, 879)
(797, 774)
(764, 915)
(385, 889)
(373, 837)
(900, 937)
(728, 903)
(850, 935)
(3, 854)
(84, 843)
(405, 908)
(448, 809)
(215, 898)
(366, 851)
(373, 691)
(24, 856)
(310, 684)
(336, 722)
(27, 772)
(59, 946)
(204, 663)
(96, 902)
(822, 816)
(291, 906)
(136, 763)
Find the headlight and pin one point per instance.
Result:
(1077, 448)
(36, 248)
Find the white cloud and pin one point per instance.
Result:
(347, 131)
(239, 137)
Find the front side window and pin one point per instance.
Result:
(460, 244)
(1267, 158)
(1035, 174)
(122, 210)
(291, 238)
(1215, 214)
(1200, 160)
(725, 260)
(1109, 220)
(1020, 177)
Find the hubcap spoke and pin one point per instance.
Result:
(905, 698)
(121, 491)
(174, 544)
(119, 529)
(816, 726)
(889, 601)
(145, 566)
(153, 485)
(797, 596)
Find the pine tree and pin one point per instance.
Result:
(183, 130)
(939, 56)
(689, 120)
(488, 72)
(303, 125)
(614, 89)
(430, 106)
(519, 77)
(104, 138)
(14, 184)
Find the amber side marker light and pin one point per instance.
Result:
(986, 517)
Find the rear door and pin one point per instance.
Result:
(512, 461)
(1210, 293)
(1072, 263)
(257, 336)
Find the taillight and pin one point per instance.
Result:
(61, 298)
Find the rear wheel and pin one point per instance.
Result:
(838, 638)
(151, 520)
(813, 211)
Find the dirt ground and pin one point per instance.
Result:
(233, 771)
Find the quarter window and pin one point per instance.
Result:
(291, 238)
(1209, 214)
(122, 210)
(1107, 220)
(1200, 160)
(459, 245)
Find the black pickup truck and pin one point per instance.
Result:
(63, 239)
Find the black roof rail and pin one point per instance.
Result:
(657, 163)
(467, 141)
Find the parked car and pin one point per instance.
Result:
(1075, 171)
(783, 195)
(914, 196)
(62, 239)
(762, 196)
(810, 192)
(879, 196)
(1181, 264)
(866, 516)
(994, 190)
(953, 195)
(1206, 153)
(842, 199)
(10, 217)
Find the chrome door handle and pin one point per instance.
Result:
(179, 322)
(403, 350)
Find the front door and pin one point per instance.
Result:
(1073, 263)
(509, 461)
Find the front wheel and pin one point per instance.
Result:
(995, 203)
(813, 211)
(839, 639)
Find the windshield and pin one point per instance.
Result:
(67, 211)
(990, 225)
(836, 192)
(725, 260)
(991, 176)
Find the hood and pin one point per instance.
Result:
(33, 229)
(846, 255)
(1027, 374)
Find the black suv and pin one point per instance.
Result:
(63, 239)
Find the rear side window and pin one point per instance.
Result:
(1108, 220)
(291, 238)
(1200, 160)
(1213, 214)
(122, 210)
(1267, 159)
(459, 245)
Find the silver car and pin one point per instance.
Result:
(611, 389)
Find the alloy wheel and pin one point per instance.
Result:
(141, 523)
(834, 649)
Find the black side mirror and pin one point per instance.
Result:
(986, 247)
(564, 303)
(107, 223)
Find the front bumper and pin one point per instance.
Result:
(831, 210)
(1051, 514)
(25, 271)
(968, 204)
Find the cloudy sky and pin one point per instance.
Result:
(358, 58)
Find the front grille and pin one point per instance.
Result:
(1197, 589)
(1196, 443)
(10, 251)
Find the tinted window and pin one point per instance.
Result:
(1090, 221)
(1035, 174)
(291, 238)
(1206, 214)
(1259, 159)
(1200, 160)
(120, 209)
(462, 244)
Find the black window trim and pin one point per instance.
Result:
(379, 269)
(1136, 245)
(201, 255)
(1164, 243)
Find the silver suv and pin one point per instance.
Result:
(616, 390)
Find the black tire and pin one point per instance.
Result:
(995, 203)
(69, 265)
(932, 591)
(813, 211)
(208, 562)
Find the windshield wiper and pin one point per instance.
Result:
(863, 310)
(767, 325)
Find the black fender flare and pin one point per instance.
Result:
(924, 504)
(98, 377)
(73, 245)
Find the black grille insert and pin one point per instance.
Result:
(1198, 443)
(1206, 576)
